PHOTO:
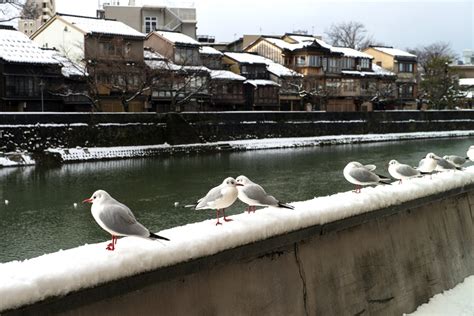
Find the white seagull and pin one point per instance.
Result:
(254, 195)
(457, 161)
(116, 218)
(444, 165)
(428, 164)
(470, 153)
(219, 198)
(358, 174)
(401, 171)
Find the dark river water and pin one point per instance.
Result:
(41, 218)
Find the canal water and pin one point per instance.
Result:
(40, 216)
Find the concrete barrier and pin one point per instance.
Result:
(384, 262)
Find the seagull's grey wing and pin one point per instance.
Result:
(118, 218)
(407, 171)
(257, 193)
(363, 175)
(211, 196)
(445, 164)
(458, 160)
(421, 163)
(370, 167)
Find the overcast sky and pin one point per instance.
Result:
(400, 23)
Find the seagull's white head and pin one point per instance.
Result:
(432, 156)
(354, 164)
(230, 182)
(242, 180)
(97, 197)
(393, 162)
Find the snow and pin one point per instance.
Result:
(149, 54)
(99, 153)
(261, 82)
(62, 272)
(225, 75)
(275, 68)
(8, 11)
(394, 51)
(15, 159)
(69, 68)
(458, 301)
(376, 71)
(466, 82)
(17, 47)
(175, 37)
(93, 25)
(208, 50)
(349, 52)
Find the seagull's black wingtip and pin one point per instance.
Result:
(155, 236)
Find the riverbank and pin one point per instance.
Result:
(79, 154)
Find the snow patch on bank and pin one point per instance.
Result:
(100, 153)
(55, 274)
(459, 301)
(15, 159)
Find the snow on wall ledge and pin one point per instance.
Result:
(56, 274)
(100, 153)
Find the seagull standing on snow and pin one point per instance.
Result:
(444, 165)
(456, 160)
(254, 195)
(428, 164)
(219, 198)
(116, 218)
(401, 171)
(360, 175)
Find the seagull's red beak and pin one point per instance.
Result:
(87, 200)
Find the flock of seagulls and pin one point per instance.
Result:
(118, 220)
(363, 175)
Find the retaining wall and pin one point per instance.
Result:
(385, 262)
(35, 132)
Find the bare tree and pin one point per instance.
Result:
(436, 50)
(350, 34)
(15, 9)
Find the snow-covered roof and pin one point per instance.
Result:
(350, 52)
(225, 75)
(466, 82)
(175, 37)
(274, 68)
(376, 71)
(91, 25)
(162, 65)
(152, 55)
(261, 82)
(394, 51)
(17, 47)
(208, 50)
(302, 41)
(69, 68)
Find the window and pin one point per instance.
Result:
(348, 63)
(186, 56)
(110, 49)
(301, 60)
(405, 67)
(364, 63)
(315, 61)
(348, 85)
(405, 91)
(151, 22)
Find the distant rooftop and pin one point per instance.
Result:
(176, 37)
(17, 47)
(92, 25)
(275, 68)
(393, 51)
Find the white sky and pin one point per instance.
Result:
(399, 23)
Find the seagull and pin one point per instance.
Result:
(254, 195)
(357, 174)
(401, 171)
(219, 198)
(444, 165)
(470, 153)
(116, 218)
(457, 161)
(428, 164)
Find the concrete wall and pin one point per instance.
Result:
(25, 130)
(385, 262)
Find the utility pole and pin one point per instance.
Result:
(41, 84)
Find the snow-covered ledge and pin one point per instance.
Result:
(63, 272)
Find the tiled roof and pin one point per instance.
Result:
(17, 47)
(101, 26)
(175, 37)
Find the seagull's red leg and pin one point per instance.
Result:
(357, 189)
(111, 246)
(226, 219)
(254, 208)
(400, 182)
(217, 215)
(248, 209)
